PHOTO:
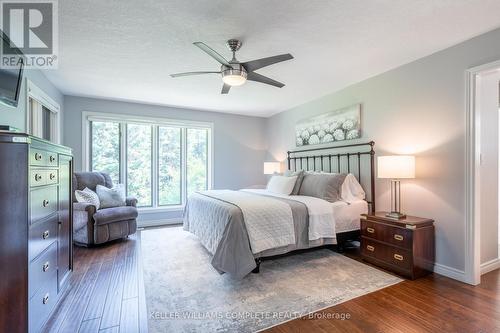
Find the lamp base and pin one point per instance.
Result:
(396, 215)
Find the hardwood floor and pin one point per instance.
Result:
(107, 295)
(106, 291)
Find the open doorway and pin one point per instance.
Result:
(483, 172)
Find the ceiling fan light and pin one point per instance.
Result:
(234, 80)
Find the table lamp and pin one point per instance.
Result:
(271, 168)
(396, 168)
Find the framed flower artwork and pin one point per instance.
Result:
(338, 125)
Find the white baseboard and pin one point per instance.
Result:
(450, 272)
(490, 266)
(157, 223)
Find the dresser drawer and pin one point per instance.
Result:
(40, 269)
(386, 233)
(386, 253)
(43, 202)
(41, 235)
(42, 303)
(40, 157)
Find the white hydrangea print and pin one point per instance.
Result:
(299, 141)
(334, 125)
(352, 134)
(327, 138)
(339, 134)
(321, 134)
(348, 124)
(305, 134)
(314, 140)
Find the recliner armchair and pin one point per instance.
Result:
(91, 226)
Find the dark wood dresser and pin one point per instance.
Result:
(35, 229)
(405, 246)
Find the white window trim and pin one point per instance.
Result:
(88, 116)
(37, 94)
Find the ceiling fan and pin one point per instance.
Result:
(235, 73)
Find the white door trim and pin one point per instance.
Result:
(473, 175)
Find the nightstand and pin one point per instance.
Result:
(405, 246)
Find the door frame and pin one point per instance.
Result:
(473, 174)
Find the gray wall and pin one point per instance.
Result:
(418, 109)
(239, 141)
(17, 116)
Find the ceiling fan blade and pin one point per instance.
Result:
(253, 65)
(192, 73)
(225, 88)
(252, 76)
(211, 52)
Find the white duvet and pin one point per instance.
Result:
(321, 213)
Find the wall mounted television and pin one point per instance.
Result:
(11, 76)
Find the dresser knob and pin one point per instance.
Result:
(398, 237)
(38, 177)
(45, 203)
(45, 299)
(52, 176)
(370, 230)
(45, 266)
(370, 248)
(45, 234)
(398, 257)
(38, 156)
(52, 158)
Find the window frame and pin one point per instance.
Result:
(36, 98)
(155, 122)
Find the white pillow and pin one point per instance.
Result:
(111, 197)
(88, 196)
(352, 190)
(281, 184)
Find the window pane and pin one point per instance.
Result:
(197, 143)
(139, 160)
(105, 143)
(169, 165)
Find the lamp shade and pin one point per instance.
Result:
(271, 167)
(396, 167)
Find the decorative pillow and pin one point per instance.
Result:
(88, 196)
(352, 189)
(300, 176)
(281, 184)
(326, 186)
(111, 197)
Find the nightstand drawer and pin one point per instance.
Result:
(386, 253)
(386, 233)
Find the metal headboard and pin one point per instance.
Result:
(341, 159)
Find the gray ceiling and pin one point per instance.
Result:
(126, 49)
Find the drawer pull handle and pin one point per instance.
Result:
(370, 230)
(38, 157)
(45, 266)
(398, 237)
(52, 176)
(398, 257)
(45, 299)
(45, 234)
(370, 248)
(45, 203)
(38, 177)
(52, 158)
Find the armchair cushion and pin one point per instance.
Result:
(115, 214)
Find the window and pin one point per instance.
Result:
(42, 118)
(160, 162)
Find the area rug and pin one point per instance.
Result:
(184, 293)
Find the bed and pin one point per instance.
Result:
(240, 228)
